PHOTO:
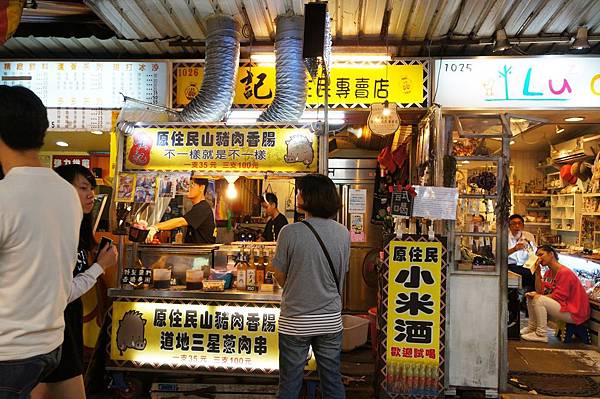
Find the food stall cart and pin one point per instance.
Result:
(231, 330)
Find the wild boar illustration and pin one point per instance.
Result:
(299, 149)
(131, 332)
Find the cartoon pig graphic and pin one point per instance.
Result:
(299, 149)
(131, 332)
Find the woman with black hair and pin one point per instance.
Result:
(314, 256)
(66, 381)
(558, 294)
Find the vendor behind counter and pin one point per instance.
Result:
(276, 219)
(200, 220)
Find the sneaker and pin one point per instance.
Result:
(532, 336)
(527, 330)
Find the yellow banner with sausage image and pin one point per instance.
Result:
(196, 336)
(223, 149)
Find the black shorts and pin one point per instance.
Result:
(71, 362)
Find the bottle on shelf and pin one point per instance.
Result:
(179, 237)
(242, 268)
(260, 268)
(251, 273)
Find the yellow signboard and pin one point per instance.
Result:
(223, 149)
(413, 326)
(196, 336)
(350, 83)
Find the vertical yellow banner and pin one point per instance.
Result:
(413, 327)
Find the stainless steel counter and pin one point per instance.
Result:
(179, 292)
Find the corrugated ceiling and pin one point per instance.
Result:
(411, 28)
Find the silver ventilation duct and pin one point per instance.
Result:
(215, 96)
(290, 95)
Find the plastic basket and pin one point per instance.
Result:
(355, 332)
(137, 235)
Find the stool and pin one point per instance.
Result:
(566, 331)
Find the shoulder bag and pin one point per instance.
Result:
(335, 277)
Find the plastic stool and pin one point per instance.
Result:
(565, 332)
(580, 331)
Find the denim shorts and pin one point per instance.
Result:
(19, 377)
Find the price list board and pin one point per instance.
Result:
(80, 119)
(82, 84)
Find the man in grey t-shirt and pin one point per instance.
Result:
(311, 305)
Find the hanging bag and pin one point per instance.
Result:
(312, 229)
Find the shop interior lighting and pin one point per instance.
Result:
(559, 129)
(97, 132)
(269, 58)
(357, 132)
(249, 117)
(512, 142)
(231, 192)
(574, 119)
(62, 144)
(386, 109)
(501, 43)
(581, 39)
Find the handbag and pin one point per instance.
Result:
(337, 281)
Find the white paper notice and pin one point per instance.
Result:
(357, 201)
(435, 203)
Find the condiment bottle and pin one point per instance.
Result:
(242, 267)
(269, 268)
(260, 269)
(251, 274)
(179, 237)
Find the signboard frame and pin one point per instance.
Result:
(313, 167)
(530, 90)
(243, 370)
(423, 62)
(382, 319)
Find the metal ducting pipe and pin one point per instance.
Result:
(215, 96)
(290, 96)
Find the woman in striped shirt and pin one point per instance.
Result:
(314, 256)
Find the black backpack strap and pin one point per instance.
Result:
(335, 277)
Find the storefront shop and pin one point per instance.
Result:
(518, 133)
(233, 330)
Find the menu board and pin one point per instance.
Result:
(80, 119)
(83, 84)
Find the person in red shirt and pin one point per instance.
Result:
(559, 294)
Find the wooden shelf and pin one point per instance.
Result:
(531, 195)
(592, 195)
(537, 209)
(537, 223)
(591, 213)
(571, 231)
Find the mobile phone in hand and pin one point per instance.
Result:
(103, 243)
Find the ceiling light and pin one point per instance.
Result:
(231, 191)
(466, 162)
(580, 41)
(97, 132)
(62, 144)
(574, 119)
(559, 129)
(512, 142)
(501, 43)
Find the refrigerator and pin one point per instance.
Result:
(355, 181)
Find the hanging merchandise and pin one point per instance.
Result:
(386, 160)
(486, 181)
